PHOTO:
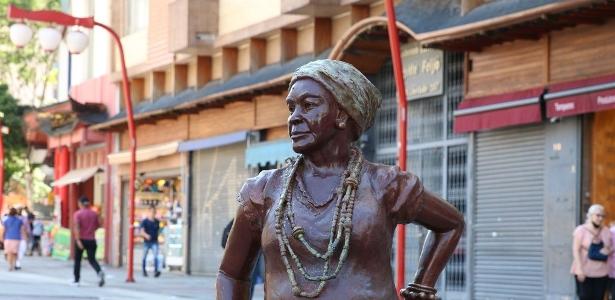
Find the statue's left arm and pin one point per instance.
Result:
(413, 204)
(446, 225)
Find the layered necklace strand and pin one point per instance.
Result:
(341, 225)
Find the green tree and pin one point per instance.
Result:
(14, 142)
(29, 70)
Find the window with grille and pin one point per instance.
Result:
(435, 153)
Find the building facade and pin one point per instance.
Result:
(535, 102)
(501, 124)
(209, 105)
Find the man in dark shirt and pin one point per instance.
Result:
(85, 223)
(150, 227)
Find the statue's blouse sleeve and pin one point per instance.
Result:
(404, 195)
(251, 200)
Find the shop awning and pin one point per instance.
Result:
(76, 176)
(144, 153)
(498, 111)
(269, 152)
(579, 97)
(213, 142)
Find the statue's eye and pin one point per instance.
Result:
(310, 103)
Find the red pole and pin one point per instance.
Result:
(64, 193)
(1, 166)
(108, 202)
(133, 150)
(401, 126)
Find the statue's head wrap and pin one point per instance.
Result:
(351, 89)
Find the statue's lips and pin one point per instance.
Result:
(298, 134)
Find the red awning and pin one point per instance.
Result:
(582, 96)
(498, 111)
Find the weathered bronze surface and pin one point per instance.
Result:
(323, 132)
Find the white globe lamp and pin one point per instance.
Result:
(76, 41)
(49, 38)
(20, 34)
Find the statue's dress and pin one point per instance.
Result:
(386, 197)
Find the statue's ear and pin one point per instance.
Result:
(341, 122)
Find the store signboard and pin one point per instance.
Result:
(61, 243)
(100, 244)
(423, 71)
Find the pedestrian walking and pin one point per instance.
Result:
(591, 247)
(149, 229)
(38, 228)
(23, 243)
(14, 232)
(85, 223)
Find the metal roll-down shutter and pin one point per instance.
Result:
(509, 214)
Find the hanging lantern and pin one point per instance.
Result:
(20, 34)
(49, 38)
(76, 41)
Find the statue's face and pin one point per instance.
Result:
(313, 113)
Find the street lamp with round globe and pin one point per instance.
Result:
(76, 41)
(20, 34)
(49, 38)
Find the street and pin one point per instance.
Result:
(47, 278)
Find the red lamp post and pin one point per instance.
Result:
(402, 108)
(60, 18)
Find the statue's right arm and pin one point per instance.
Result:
(243, 245)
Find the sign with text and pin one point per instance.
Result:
(580, 104)
(423, 71)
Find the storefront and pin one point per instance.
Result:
(159, 184)
(164, 193)
(537, 112)
(217, 172)
(593, 101)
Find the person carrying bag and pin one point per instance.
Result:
(590, 249)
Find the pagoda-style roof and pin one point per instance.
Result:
(58, 122)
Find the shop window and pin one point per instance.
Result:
(137, 15)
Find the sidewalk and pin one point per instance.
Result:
(47, 278)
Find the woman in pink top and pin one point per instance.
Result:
(591, 275)
(611, 284)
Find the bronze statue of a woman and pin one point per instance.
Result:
(325, 222)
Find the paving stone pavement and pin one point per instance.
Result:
(44, 278)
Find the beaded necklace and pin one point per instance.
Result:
(341, 225)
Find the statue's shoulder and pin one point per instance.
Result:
(391, 180)
(255, 188)
(382, 175)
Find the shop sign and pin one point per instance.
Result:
(580, 104)
(61, 243)
(100, 244)
(423, 71)
(146, 199)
